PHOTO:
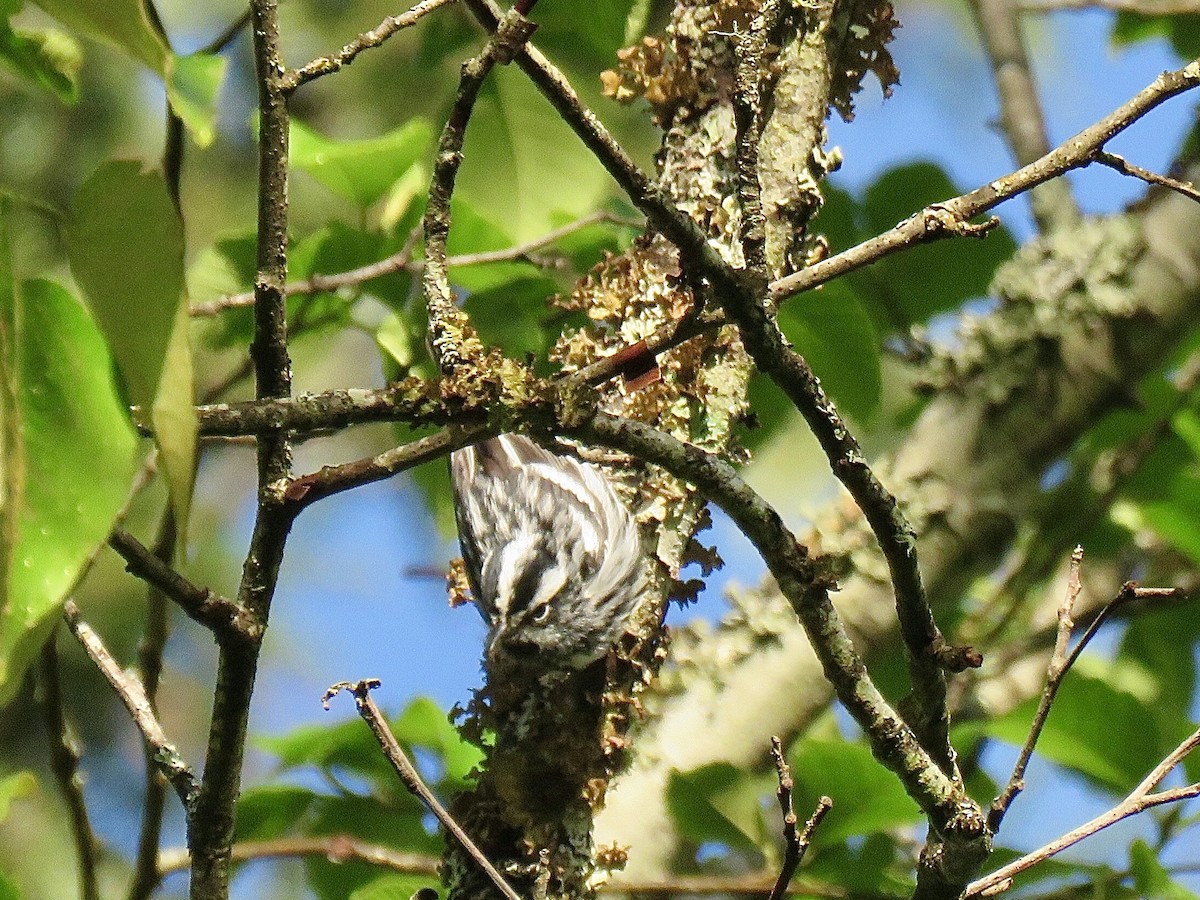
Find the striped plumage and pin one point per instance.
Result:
(551, 551)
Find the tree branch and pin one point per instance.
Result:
(211, 825)
(412, 780)
(226, 618)
(1139, 800)
(327, 65)
(133, 696)
(942, 219)
(807, 589)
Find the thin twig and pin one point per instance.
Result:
(229, 35)
(1139, 800)
(221, 615)
(327, 65)
(1061, 662)
(403, 261)
(64, 763)
(942, 219)
(133, 696)
(411, 778)
(451, 338)
(1125, 167)
(1055, 672)
(795, 843)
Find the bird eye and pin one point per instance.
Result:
(541, 614)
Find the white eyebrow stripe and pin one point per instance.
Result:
(514, 556)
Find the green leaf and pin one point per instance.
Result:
(14, 787)
(1183, 31)
(369, 820)
(1115, 750)
(1160, 642)
(867, 798)
(876, 867)
(360, 171)
(910, 287)
(425, 724)
(48, 58)
(271, 810)
(395, 338)
(8, 890)
(832, 331)
(511, 316)
(123, 24)
(590, 41)
(125, 244)
(69, 456)
(1152, 881)
(394, 887)
(718, 802)
(349, 745)
(522, 163)
(193, 83)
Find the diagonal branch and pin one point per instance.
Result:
(1139, 800)
(327, 65)
(943, 219)
(806, 587)
(170, 762)
(412, 780)
(226, 618)
(1061, 661)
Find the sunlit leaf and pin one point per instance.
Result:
(125, 243)
(360, 171)
(69, 455)
(123, 24)
(719, 803)
(193, 83)
(833, 332)
(48, 58)
(14, 787)
(269, 811)
(867, 798)
(1150, 877)
(522, 163)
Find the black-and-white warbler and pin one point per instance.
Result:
(551, 552)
